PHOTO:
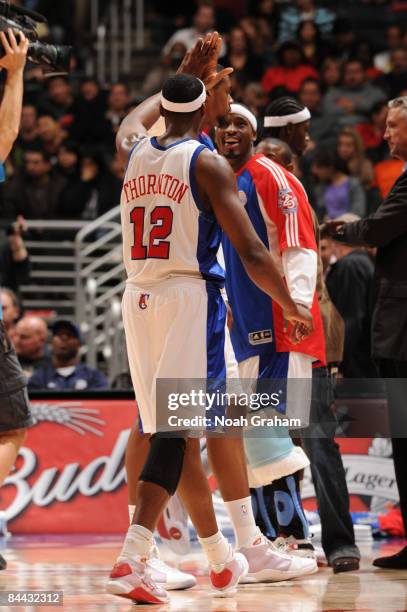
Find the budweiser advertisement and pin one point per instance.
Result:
(70, 474)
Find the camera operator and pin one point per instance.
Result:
(14, 405)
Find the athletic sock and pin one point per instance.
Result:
(286, 507)
(138, 543)
(216, 548)
(244, 526)
(132, 511)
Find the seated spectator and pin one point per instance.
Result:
(31, 337)
(287, 77)
(90, 126)
(350, 283)
(372, 133)
(336, 193)
(386, 173)
(330, 73)
(168, 67)
(96, 192)
(314, 47)
(51, 135)
(355, 96)
(394, 40)
(395, 81)
(261, 26)
(68, 161)
(65, 372)
(247, 66)
(118, 102)
(28, 135)
(324, 126)
(35, 192)
(58, 100)
(344, 39)
(14, 259)
(255, 98)
(203, 22)
(305, 10)
(350, 150)
(10, 306)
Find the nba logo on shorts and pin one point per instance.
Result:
(143, 301)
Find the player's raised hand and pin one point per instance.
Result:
(211, 77)
(202, 60)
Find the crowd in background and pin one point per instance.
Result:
(63, 165)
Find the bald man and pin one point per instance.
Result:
(31, 344)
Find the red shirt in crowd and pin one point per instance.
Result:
(290, 78)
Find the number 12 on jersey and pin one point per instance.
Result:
(161, 219)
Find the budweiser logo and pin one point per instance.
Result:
(103, 474)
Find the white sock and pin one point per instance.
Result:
(216, 548)
(138, 543)
(132, 512)
(244, 526)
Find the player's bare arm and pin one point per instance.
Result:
(217, 183)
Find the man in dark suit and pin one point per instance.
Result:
(386, 229)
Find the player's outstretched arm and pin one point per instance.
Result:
(216, 180)
(200, 61)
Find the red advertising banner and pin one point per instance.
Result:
(70, 475)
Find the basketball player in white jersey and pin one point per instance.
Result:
(174, 193)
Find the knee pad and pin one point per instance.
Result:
(164, 462)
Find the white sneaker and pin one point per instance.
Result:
(225, 577)
(129, 579)
(267, 563)
(173, 527)
(171, 578)
(299, 548)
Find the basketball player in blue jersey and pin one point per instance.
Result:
(279, 211)
(174, 192)
(226, 454)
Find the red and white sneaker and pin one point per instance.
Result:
(224, 578)
(130, 580)
(298, 548)
(171, 578)
(267, 563)
(173, 527)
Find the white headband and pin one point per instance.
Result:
(184, 107)
(239, 109)
(299, 117)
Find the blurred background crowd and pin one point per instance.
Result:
(343, 62)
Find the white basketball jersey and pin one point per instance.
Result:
(166, 233)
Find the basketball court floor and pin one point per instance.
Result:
(79, 565)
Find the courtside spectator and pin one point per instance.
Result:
(31, 335)
(66, 372)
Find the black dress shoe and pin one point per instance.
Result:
(3, 563)
(345, 564)
(397, 561)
